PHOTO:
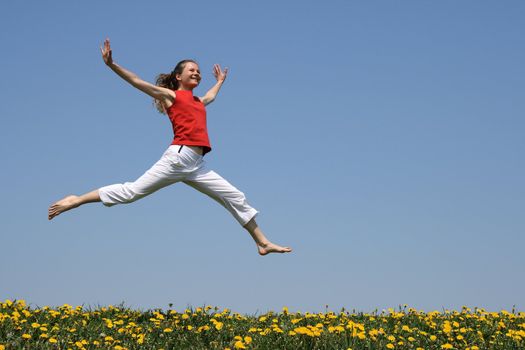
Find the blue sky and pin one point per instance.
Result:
(382, 140)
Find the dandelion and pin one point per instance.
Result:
(26, 336)
(239, 345)
(390, 346)
(51, 340)
(447, 346)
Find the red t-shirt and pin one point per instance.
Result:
(188, 118)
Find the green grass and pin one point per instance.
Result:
(67, 327)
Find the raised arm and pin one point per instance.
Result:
(166, 96)
(220, 75)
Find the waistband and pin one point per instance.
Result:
(179, 148)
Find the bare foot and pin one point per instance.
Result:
(63, 205)
(272, 248)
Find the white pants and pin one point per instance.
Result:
(184, 165)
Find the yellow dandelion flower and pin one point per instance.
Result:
(44, 335)
(2, 347)
(248, 339)
(26, 336)
(53, 340)
(447, 328)
(433, 337)
(411, 339)
(218, 325)
(168, 330)
(189, 327)
(447, 346)
(390, 346)
(35, 325)
(239, 345)
(391, 338)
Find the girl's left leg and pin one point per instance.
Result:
(216, 187)
(264, 246)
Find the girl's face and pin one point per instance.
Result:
(190, 76)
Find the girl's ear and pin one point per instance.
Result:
(177, 77)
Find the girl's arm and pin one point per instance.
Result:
(166, 96)
(220, 75)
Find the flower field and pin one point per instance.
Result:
(76, 328)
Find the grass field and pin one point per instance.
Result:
(118, 327)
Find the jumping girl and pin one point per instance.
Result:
(183, 160)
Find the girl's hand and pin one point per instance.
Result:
(106, 53)
(219, 74)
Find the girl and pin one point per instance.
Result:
(183, 160)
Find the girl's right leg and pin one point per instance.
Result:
(160, 175)
(71, 202)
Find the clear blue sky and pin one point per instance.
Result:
(382, 140)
